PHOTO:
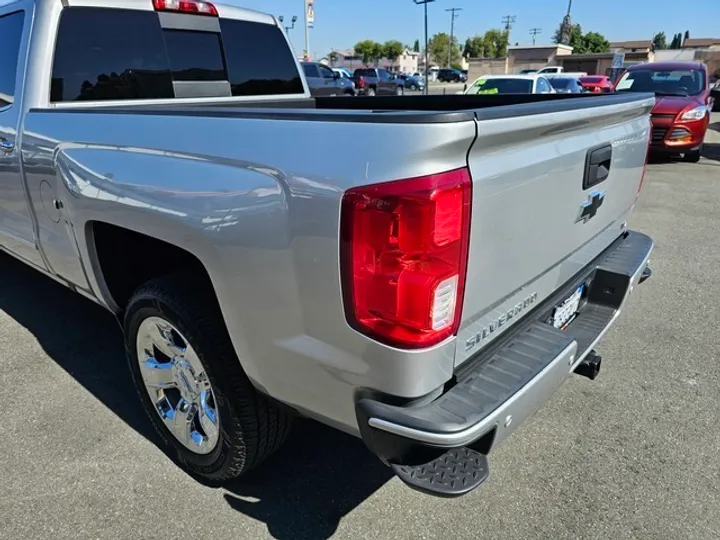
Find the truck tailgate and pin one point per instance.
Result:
(550, 192)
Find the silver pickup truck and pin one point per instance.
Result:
(422, 272)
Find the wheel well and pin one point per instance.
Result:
(127, 259)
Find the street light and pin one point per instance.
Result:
(281, 18)
(427, 67)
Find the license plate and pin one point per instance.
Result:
(565, 312)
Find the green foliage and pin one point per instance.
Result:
(416, 46)
(687, 36)
(392, 50)
(493, 44)
(592, 42)
(441, 51)
(660, 41)
(676, 42)
(366, 50)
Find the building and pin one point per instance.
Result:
(601, 63)
(518, 59)
(711, 44)
(407, 62)
(642, 46)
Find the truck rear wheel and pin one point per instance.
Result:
(210, 419)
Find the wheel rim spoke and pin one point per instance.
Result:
(208, 417)
(179, 420)
(161, 335)
(157, 374)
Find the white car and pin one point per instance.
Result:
(531, 83)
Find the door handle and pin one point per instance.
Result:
(597, 166)
(6, 146)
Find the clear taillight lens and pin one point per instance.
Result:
(404, 249)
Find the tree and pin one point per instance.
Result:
(416, 46)
(660, 41)
(378, 51)
(687, 36)
(474, 47)
(366, 50)
(441, 51)
(676, 42)
(333, 56)
(592, 42)
(392, 50)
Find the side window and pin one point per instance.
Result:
(98, 58)
(384, 75)
(259, 60)
(326, 72)
(11, 27)
(311, 71)
(542, 86)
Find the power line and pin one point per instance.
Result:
(534, 32)
(454, 15)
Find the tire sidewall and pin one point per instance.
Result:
(209, 463)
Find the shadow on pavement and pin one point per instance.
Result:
(318, 477)
(711, 151)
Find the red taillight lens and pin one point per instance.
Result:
(186, 6)
(404, 250)
(361, 82)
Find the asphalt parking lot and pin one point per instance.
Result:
(634, 454)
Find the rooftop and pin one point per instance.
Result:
(641, 44)
(549, 46)
(701, 42)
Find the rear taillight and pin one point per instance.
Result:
(186, 6)
(404, 250)
(361, 83)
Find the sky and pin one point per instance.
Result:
(339, 24)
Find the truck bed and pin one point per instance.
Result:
(380, 109)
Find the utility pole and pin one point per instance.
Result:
(534, 32)
(508, 21)
(427, 61)
(453, 15)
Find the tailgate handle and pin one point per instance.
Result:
(597, 166)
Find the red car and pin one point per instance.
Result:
(683, 102)
(597, 84)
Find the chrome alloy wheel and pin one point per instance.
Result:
(178, 385)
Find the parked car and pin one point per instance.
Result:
(371, 82)
(451, 75)
(323, 81)
(560, 70)
(597, 84)
(383, 291)
(684, 101)
(345, 72)
(510, 84)
(527, 71)
(412, 82)
(563, 84)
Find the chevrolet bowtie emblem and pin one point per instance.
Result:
(590, 208)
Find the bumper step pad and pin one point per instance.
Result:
(455, 473)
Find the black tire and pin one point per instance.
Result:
(252, 426)
(693, 156)
(370, 92)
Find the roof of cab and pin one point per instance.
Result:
(224, 10)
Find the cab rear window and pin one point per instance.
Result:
(119, 54)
